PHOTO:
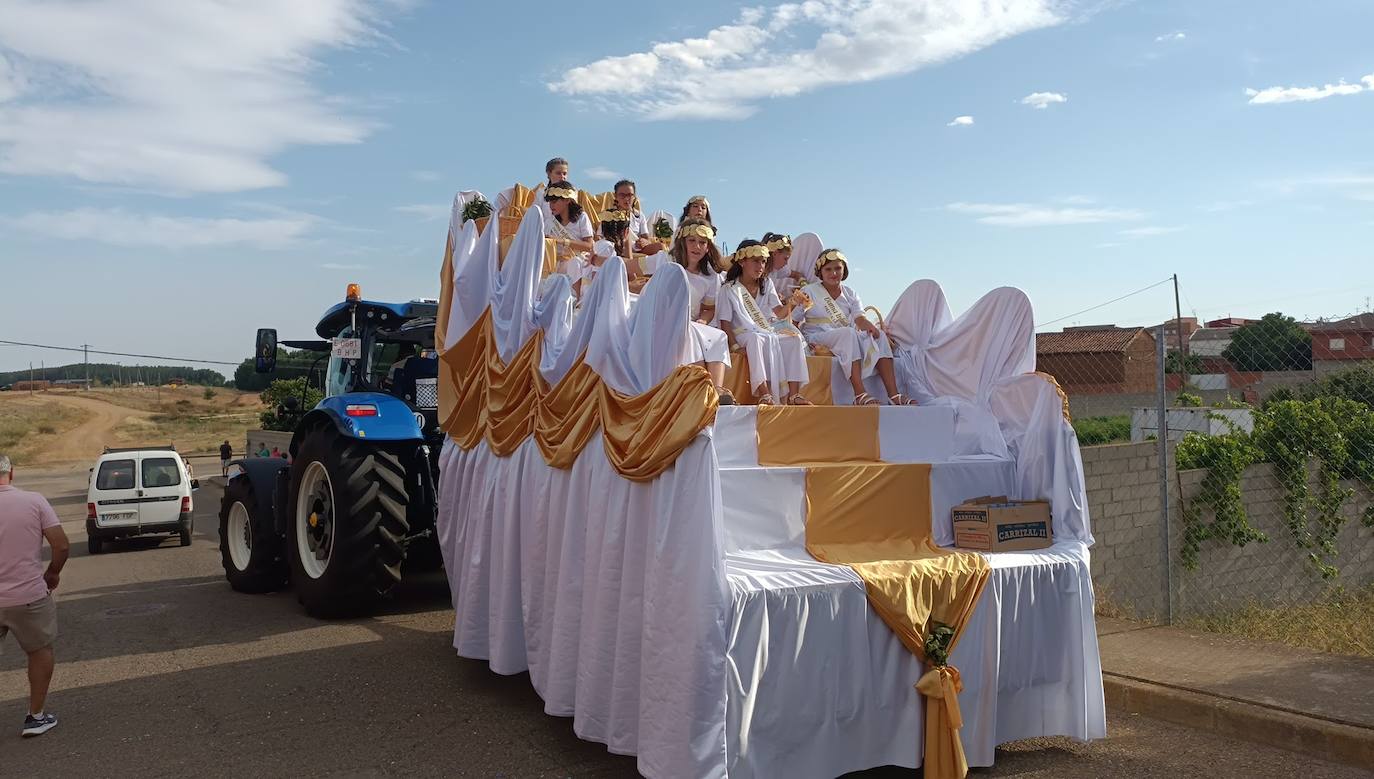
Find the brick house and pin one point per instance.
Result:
(1342, 344)
(1187, 324)
(1099, 359)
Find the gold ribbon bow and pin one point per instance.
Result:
(943, 682)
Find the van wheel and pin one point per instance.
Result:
(250, 551)
(94, 545)
(185, 533)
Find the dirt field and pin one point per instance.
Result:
(66, 426)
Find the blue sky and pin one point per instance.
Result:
(174, 175)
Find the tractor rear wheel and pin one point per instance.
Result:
(348, 527)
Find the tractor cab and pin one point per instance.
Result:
(373, 347)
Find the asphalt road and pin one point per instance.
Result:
(164, 671)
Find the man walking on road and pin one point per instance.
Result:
(226, 453)
(26, 605)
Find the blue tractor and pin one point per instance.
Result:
(353, 507)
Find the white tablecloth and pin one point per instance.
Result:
(820, 686)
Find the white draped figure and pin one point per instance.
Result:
(780, 271)
(832, 317)
(755, 319)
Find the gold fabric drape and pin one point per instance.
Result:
(876, 520)
(803, 435)
(482, 398)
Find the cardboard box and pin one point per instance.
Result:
(995, 524)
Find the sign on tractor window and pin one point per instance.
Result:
(348, 348)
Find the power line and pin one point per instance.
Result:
(1108, 303)
(118, 354)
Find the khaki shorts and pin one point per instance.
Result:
(34, 625)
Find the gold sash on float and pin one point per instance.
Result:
(876, 520)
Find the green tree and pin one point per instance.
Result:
(290, 365)
(276, 394)
(1355, 384)
(1190, 363)
(1274, 343)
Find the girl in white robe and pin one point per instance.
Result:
(695, 250)
(570, 229)
(784, 279)
(757, 323)
(832, 317)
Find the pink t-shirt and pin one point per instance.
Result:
(23, 518)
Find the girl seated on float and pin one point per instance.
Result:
(779, 252)
(570, 229)
(832, 317)
(615, 240)
(758, 323)
(694, 248)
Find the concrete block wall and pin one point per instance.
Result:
(1229, 577)
(1128, 563)
(1124, 502)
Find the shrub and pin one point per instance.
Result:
(1093, 431)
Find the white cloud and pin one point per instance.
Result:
(184, 97)
(1108, 245)
(960, 121)
(1043, 100)
(1274, 95)
(425, 175)
(799, 47)
(1176, 35)
(1076, 200)
(1145, 232)
(597, 173)
(1032, 215)
(125, 228)
(427, 211)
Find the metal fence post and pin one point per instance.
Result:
(1162, 430)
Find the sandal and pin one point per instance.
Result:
(726, 398)
(766, 399)
(799, 400)
(865, 399)
(901, 400)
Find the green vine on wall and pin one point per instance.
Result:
(1329, 434)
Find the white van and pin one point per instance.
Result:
(138, 491)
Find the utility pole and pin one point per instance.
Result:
(1178, 321)
(30, 377)
(86, 355)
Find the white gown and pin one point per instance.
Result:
(846, 342)
(774, 358)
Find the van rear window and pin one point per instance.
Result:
(115, 475)
(161, 472)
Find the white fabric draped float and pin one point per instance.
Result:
(692, 630)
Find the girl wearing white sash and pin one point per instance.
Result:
(756, 321)
(570, 229)
(832, 316)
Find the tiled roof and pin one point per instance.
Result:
(1213, 334)
(1105, 340)
(1357, 322)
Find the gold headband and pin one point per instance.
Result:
(699, 199)
(750, 252)
(830, 255)
(561, 191)
(614, 216)
(697, 231)
(783, 243)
